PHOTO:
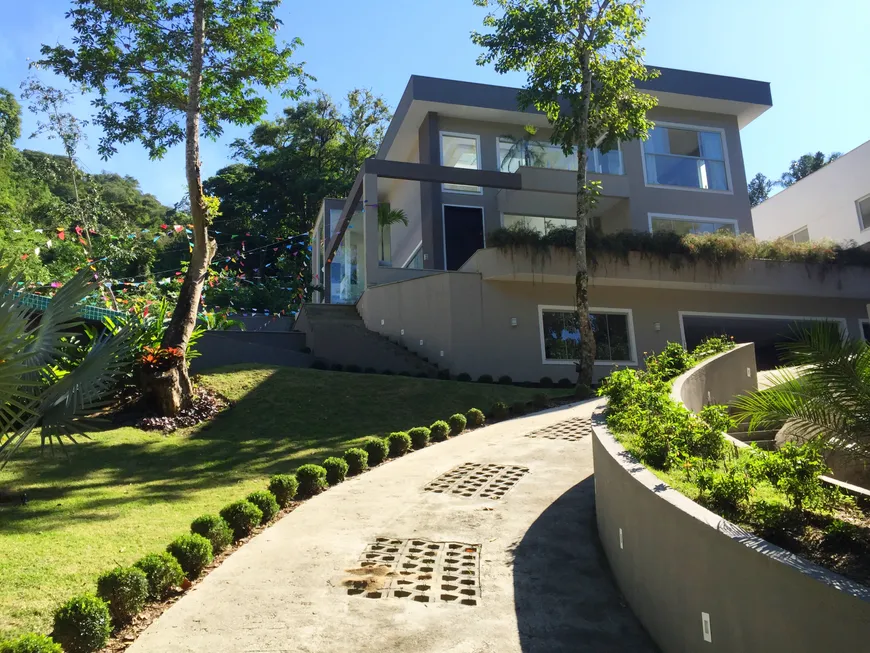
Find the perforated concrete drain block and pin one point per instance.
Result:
(572, 429)
(484, 480)
(418, 570)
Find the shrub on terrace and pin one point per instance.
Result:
(30, 643)
(336, 470)
(125, 590)
(193, 553)
(82, 624)
(312, 480)
(357, 461)
(163, 573)
(215, 529)
(419, 437)
(475, 418)
(266, 502)
(284, 487)
(242, 516)
(457, 423)
(499, 411)
(399, 443)
(439, 431)
(377, 449)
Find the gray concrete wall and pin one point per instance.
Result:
(717, 380)
(220, 348)
(674, 560)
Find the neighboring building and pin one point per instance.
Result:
(457, 159)
(832, 203)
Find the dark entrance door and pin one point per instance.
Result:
(463, 234)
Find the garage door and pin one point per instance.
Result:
(765, 331)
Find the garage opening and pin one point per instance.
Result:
(766, 332)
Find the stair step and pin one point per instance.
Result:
(754, 436)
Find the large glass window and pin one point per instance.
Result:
(539, 224)
(460, 151)
(864, 212)
(560, 332)
(334, 217)
(686, 225)
(348, 267)
(687, 158)
(800, 236)
(539, 154)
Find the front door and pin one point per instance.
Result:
(463, 234)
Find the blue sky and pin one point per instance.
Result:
(816, 61)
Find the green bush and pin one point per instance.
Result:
(267, 504)
(669, 364)
(353, 369)
(377, 450)
(540, 401)
(125, 589)
(419, 436)
(319, 365)
(499, 411)
(30, 643)
(193, 553)
(730, 489)
(484, 378)
(399, 443)
(163, 573)
(838, 533)
(565, 383)
(82, 624)
(505, 380)
(711, 346)
(439, 431)
(357, 461)
(464, 377)
(457, 423)
(519, 408)
(546, 382)
(370, 370)
(215, 529)
(336, 367)
(795, 470)
(312, 480)
(284, 487)
(475, 418)
(444, 375)
(336, 470)
(242, 516)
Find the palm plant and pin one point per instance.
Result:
(529, 152)
(387, 217)
(824, 396)
(48, 380)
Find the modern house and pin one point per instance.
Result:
(833, 203)
(458, 159)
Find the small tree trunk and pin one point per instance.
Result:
(174, 390)
(586, 364)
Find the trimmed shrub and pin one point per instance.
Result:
(215, 529)
(377, 450)
(399, 443)
(82, 624)
(565, 383)
(30, 643)
(337, 367)
(357, 461)
(439, 431)
(319, 365)
(419, 437)
(465, 378)
(336, 470)
(370, 370)
(125, 589)
(267, 504)
(484, 378)
(405, 373)
(505, 380)
(193, 553)
(354, 369)
(546, 382)
(312, 480)
(457, 423)
(305, 350)
(388, 372)
(242, 516)
(421, 375)
(519, 408)
(444, 375)
(499, 411)
(475, 418)
(163, 573)
(540, 401)
(284, 487)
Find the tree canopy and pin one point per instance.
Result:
(805, 166)
(10, 120)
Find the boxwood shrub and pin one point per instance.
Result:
(464, 377)
(519, 408)
(125, 589)
(399, 443)
(505, 380)
(267, 504)
(242, 516)
(457, 423)
(82, 624)
(419, 436)
(484, 378)
(193, 553)
(546, 382)
(499, 411)
(163, 573)
(475, 418)
(377, 450)
(30, 643)
(312, 480)
(357, 461)
(284, 487)
(566, 383)
(215, 529)
(336, 470)
(439, 431)
(540, 401)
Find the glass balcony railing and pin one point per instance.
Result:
(685, 172)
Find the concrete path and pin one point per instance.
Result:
(543, 583)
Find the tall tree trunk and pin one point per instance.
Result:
(171, 391)
(586, 364)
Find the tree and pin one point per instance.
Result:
(387, 217)
(10, 120)
(582, 62)
(164, 71)
(759, 189)
(805, 166)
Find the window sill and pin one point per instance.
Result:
(691, 190)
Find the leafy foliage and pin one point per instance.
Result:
(284, 487)
(439, 431)
(336, 470)
(163, 573)
(242, 516)
(125, 589)
(377, 450)
(457, 423)
(10, 120)
(499, 411)
(312, 480)
(475, 418)
(30, 643)
(399, 443)
(419, 437)
(82, 624)
(193, 553)
(215, 529)
(267, 504)
(805, 166)
(759, 188)
(357, 460)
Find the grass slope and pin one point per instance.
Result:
(128, 492)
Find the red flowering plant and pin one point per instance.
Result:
(156, 359)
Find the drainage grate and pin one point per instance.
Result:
(419, 570)
(485, 480)
(572, 429)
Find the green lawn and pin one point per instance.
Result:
(128, 492)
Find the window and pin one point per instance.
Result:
(613, 330)
(800, 236)
(865, 329)
(334, 217)
(539, 154)
(539, 224)
(685, 158)
(688, 225)
(460, 151)
(864, 212)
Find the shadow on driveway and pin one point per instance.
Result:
(566, 598)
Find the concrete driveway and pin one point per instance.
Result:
(500, 556)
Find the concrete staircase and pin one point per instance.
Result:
(336, 334)
(762, 439)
